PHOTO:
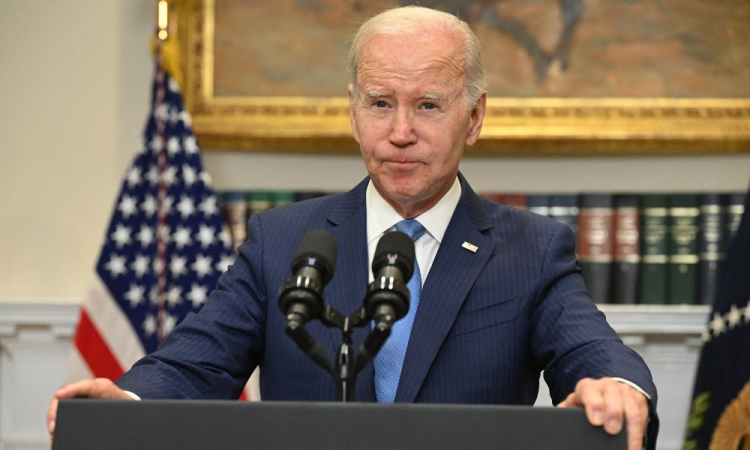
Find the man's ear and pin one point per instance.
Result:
(352, 113)
(476, 120)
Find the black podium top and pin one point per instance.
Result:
(186, 425)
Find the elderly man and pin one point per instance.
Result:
(501, 298)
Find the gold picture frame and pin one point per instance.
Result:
(512, 126)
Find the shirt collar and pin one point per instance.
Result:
(381, 216)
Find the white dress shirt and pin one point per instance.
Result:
(381, 217)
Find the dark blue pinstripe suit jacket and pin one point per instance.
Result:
(488, 322)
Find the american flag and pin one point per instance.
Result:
(163, 252)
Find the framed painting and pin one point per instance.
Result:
(565, 76)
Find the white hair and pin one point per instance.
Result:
(413, 20)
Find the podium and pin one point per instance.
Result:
(203, 424)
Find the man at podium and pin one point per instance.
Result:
(498, 297)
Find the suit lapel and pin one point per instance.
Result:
(451, 277)
(345, 292)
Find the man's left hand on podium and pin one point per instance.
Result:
(606, 402)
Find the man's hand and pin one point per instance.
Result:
(606, 401)
(98, 388)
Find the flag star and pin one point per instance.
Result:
(169, 175)
(189, 175)
(174, 114)
(205, 178)
(206, 236)
(161, 111)
(185, 118)
(197, 295)
(158, 265)
(133, 177)
(717, 324)
(225, 238)
(181, 237)
(121, 236)
(146, 236)
(747, 312)
(140, 265)
(734, 317)
(149, 325)
(168, 325)
(173, 146)
(153, 295)
(156, 144)
(191, 145)
(186, 207)
(135, 295)
(128, 206)
(174, 296)
(177, 266)
(149, 205)
(116, 265)
(208, 206)
(202, 266)
(224, 263)
(173, 86)
(152, 176)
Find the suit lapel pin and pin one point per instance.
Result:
(470, 247)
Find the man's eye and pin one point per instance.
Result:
(429, 106)
(380, 104)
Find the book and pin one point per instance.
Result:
(627, 249)
(281, 198)
(735, 208)
(235, 212)
(595, 244)
(711, 248)
(652, 282)
(259, 201)
(514, 200)
(538, 204)
(300, 196)
(683, 249)
(564, 208)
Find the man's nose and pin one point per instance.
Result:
(402, 128)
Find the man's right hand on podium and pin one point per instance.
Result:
(97, 388)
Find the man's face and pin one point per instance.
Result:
(410, 117)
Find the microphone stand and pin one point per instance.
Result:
(346, 367)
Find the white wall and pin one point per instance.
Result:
(74, 90)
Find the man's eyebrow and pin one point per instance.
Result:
(432, 96)
(373, 93)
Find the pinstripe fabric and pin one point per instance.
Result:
(487, 324)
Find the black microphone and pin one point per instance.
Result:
(387, 297)
(301, 296)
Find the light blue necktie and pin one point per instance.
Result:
(390, 360)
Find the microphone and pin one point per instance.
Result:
(387, 297)
(301, 296)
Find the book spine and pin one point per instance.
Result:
(259, 201)
(735, 208)
(711, 249)
(517, 201)
(652, 285)
(595, 241)
(538, 204)
(683, 249)
(281, 198)
(564, 208)
(236, 215)
(627, 250)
